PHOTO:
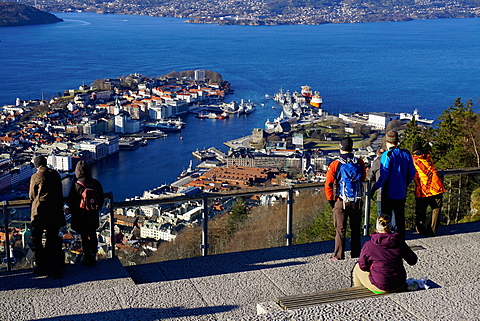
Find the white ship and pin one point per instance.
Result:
(416, 116)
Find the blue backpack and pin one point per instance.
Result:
(349, 180)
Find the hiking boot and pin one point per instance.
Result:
(39, 271)
(55, 274)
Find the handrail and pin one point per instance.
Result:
(205, 196)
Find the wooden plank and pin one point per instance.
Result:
(324, 297)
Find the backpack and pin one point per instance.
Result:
(90, 199)
(349, 179)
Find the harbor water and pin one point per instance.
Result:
(393, 67)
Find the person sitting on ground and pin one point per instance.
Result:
(380, 265)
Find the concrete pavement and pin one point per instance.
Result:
(236, 286)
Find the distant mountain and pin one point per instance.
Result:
(16, 14)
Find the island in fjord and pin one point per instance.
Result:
(17, 14)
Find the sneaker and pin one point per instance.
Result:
(333, 258)
(39, 272)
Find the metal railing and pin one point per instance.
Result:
(205, 197)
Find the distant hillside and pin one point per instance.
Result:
(16, 14)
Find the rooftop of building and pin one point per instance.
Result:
(235, 286)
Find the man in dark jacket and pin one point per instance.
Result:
(47, 217)
(85, 221)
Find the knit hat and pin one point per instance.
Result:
(39, 161)
(346, 144)
(387, 224)
(416, 146)
(392, 137)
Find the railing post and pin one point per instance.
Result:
(290, 201)
(7, 237)
(205, 244)
(366, 225)
(112, 225)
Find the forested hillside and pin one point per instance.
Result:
(16, 14)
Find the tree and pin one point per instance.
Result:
(455, 144)
(238, 214)
(455, 138)
(412, 134)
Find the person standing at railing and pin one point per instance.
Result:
(396, 173)
(47, 217)
(344, 190)
(374, 175)
(428, 192)
(85, 199)
(380, 265)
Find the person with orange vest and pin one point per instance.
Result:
(429, 190)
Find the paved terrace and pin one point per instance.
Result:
(235, 286)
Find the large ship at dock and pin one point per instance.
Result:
(316, 100)
(416, 116)
(300, 105)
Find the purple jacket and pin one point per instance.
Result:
(383, 257)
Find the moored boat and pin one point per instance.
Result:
(165, 127)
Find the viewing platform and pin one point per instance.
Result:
(239, 286)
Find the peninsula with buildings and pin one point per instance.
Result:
(89, 123)
(278, 12)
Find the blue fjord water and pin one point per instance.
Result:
(366, 67)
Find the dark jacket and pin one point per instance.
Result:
(383, 257)
(374, 175)
(83, 221)
(46, 195)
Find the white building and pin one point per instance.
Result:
(157, 231)
(61, 162)
(111, 142)
(150, 210)
(120, 123)
(98, 148)
(200, 75)
(381, 120)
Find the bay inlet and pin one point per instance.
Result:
(372, 67)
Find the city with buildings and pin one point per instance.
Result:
(90, 123)
(268, 12)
